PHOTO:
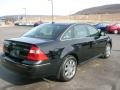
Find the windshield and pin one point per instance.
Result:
(46, 31)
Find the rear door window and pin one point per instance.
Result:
(80, 31)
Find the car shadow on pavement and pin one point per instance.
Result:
(116, 50)
(16, 79)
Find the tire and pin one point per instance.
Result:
(68, 68)
(115, 31)
(107, 51)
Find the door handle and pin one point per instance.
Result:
(94, 42)
(78, 46)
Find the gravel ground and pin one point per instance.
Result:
(97, 74)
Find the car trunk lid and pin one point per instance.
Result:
(19, 48)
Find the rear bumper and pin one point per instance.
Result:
(31, 71)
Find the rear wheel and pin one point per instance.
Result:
(115, 32)
(107, 51)
(68, 68)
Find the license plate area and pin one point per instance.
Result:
(17, 50)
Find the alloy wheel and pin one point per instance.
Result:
(108, 50)
(70, 68)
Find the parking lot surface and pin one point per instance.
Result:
(97, 74)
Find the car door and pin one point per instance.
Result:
(76, 39)
(98, 42)
(82, 42)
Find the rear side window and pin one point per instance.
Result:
(80, 31)
(68, 35)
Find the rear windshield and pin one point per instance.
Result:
(46, 31)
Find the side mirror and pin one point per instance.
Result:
(102, 33)
(99, 30)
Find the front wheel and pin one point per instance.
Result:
(68, 68)
(107, 51)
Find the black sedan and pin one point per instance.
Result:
(55, 50)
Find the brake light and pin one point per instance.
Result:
(35, 54)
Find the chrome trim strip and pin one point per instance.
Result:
(24, 64)
(42, 64)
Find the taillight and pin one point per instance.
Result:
(35, 54)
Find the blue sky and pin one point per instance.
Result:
(43, 7)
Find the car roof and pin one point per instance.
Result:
(61, 23)
(69, 24)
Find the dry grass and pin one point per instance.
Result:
(78, 18)
(1, 46)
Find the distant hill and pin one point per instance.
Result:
(105, 9)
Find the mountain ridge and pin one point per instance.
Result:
(104, 9)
